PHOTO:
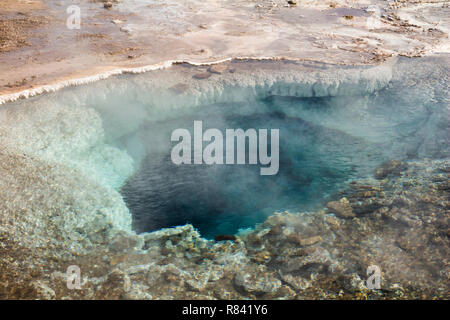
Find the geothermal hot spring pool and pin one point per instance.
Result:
(335, 124)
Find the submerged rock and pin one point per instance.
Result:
(314, 262)
(295, 238)
(296, 282)
(341, 208)
(391, 167)
(218, 68)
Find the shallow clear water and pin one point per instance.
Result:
(324, 142)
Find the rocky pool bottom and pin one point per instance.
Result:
(66, 155)
(399, 223)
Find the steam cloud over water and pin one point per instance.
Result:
(321, 147)
(335, 124)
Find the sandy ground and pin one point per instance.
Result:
(37, 48)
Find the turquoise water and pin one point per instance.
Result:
(336, 123)
(324, 142)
